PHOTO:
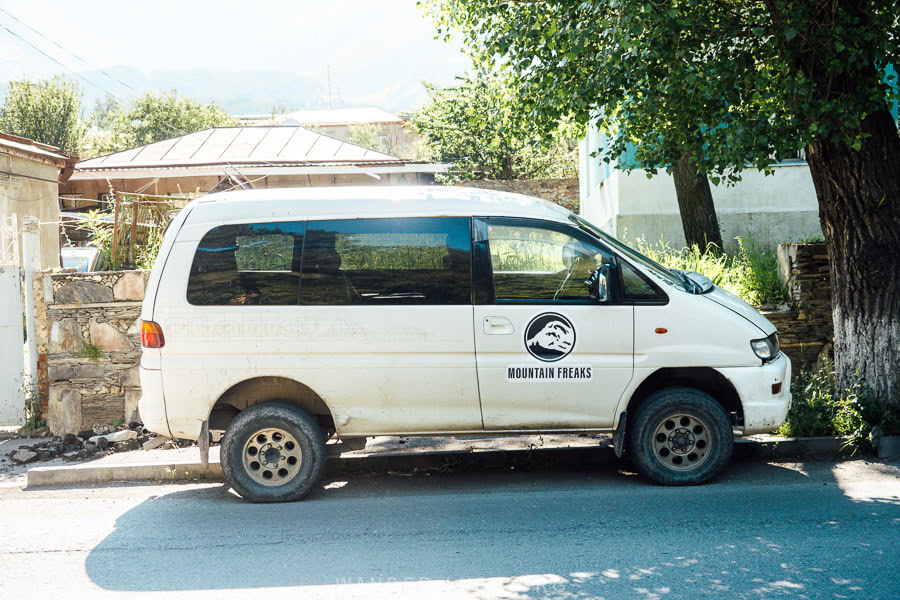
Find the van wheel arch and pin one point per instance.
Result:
(705, 379)
(253, 391)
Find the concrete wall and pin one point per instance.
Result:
(78, 311)
(779, 208)
(29, 187)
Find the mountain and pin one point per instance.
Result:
(239, 92)
(261, 91)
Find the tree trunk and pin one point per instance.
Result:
(859, 209)
(695, 202)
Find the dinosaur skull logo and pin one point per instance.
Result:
(549, 337)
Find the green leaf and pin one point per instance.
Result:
(789, 33)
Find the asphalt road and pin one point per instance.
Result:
(764, 530)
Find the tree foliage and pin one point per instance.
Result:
(481, 126)
(152, 118)
(730, 85)
(737, 83)
(46, 111)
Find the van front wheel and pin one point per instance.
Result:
(680, 436)
(273, 452)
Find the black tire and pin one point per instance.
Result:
(267, 430)
(680, 436)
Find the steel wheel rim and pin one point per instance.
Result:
(682, 442)
(272, 457)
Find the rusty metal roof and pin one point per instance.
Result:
(275, 146)
(32, 148)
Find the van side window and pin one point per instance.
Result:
(636, 287)
(541, 264)
(387, 261)
(253, 263)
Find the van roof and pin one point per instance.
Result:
(368, 201)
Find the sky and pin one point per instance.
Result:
(370, 46)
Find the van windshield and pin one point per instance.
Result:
(672, 278)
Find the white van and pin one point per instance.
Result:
(286, 316)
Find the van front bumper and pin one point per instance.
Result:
(764, 410)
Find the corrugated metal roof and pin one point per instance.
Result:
(240, 146)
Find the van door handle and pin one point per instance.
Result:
(497, 326)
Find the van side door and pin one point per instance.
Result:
(388, 311)
(550, 353)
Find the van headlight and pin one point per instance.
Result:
(766, 348)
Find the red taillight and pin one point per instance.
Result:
(152, 335)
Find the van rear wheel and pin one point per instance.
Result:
(273, 452)
(680, 436)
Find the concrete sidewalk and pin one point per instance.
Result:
(405, 455)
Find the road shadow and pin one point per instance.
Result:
(761, 530)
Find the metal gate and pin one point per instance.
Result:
(12, 342)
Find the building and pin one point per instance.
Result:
(349, 124)
(247, 156)
(772, 209)
(30, 173)
(782, 207)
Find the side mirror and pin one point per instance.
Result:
(598, 287)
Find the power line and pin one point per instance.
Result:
(77, 74)
(89, 82)
(69, 69)
(13, 17)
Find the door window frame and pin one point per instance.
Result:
(483, 291)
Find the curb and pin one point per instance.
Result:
(91, 474)
(772, 447)
(354, 464)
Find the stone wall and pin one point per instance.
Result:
(88, 335)
(559, 191)
(805, 330)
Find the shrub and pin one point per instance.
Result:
(33, 419)
(751, 273)
(817, 409)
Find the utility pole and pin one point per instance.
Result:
(328, 68)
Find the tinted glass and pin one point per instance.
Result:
(248, 264)
(387, 261)
(538, 263)
(636, 286)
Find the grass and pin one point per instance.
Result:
(751, 273)
(33, 419)
(89, 350)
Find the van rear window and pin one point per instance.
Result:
(337, 262)
(248, 264)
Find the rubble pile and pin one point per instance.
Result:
(88, 443)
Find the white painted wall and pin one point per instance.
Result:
(31, 189)
(777, 208)
(12, 397)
